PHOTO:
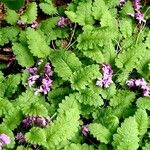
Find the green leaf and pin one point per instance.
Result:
(89, 97)
(35, 109)
(83, 77)
(65, 63)
(142, 120)
(147, 146)
(23, 55)
(83, 15)
(13, 119)
(37, 44)
(30, 14)
(143, 103)
(14, 4)
(11, 17)
(8, 34)
(148, 40)
(11, 84)
(36, 136)
(100, 132)
(79, 147)
(48, 8)
(127, 135)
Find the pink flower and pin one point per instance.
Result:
(4, 139)
(121, 2)
(138, 15)
(107, 76)
(63, 22)
(34, 25)
(33, 70)
(20, 137)
(85, 130)
(32, 79)
(140, 84)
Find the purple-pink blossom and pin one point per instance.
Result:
(38, 121)
(4, 140)
(106, 79)
(140, 84)
(122, 2)
(138, 15)
(85, 130)
(34, 25)
(63, 22)
(20, 137)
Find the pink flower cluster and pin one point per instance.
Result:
(38, 121)
(106, 80)
(138, 15)
(46, 82)
(20, 137)
(63, 22)
(140, 84)
(122, 2)
(85, 130)
(4, 139)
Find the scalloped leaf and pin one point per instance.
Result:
(8, 34)
(23, 55)
(83, 77)
(36, 136)
(11, 17)
(37, 44)
(127, 135)
(100, 132)
(89, 97)
(65, 63)
(30, 14)
(35, 109)
(142, 120)
(11, 84)
(143, 103)
(48, 8)
(83, 14)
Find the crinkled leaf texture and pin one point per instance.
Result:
(84, 76)
(65, 63)
(66, 124)
(37, 43)
(127, 135)
(100, 132)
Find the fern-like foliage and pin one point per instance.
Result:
(48, 7)
(100, 132)
(36, 136)
(120, 102)
(11, 84)
(79, 147)
(30, 14)
(11, 17)
(89, 97)
(83, 77)
(8, 34)
(83, 18)
(67, 64)
(57, 133)
(142, 120)
(128, 59)
(22, 53)
(38, 45)
(6, 107)
(13, 119)
(35, 109)
(127, 135)
(143, 103)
